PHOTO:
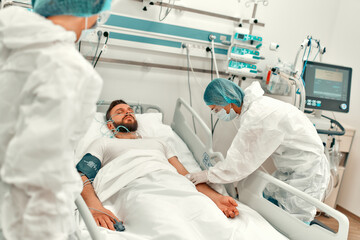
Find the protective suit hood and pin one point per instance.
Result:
(16, 31)
(253, 92)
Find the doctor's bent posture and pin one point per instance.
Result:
(268, 128)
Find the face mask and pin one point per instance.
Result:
(86, 32)
(222, 115)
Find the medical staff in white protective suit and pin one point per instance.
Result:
(48, 94)
(268, 128)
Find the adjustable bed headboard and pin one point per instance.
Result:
(201, 149)
(103, 105)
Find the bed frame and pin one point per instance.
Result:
(251, 189)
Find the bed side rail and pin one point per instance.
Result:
(201, 150)
(88, 219)
(251, 193)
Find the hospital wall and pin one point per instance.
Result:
(287, 22)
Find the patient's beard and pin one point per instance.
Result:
(132, 127)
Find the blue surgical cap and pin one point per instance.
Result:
(222, 92)
(79, 8)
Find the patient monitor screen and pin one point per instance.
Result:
(327, 87)
(326, 82)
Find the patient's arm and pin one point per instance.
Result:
(93, 202)
(226, 204)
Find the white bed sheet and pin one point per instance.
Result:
(165, 206)
(146, 205)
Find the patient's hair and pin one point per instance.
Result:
(112, 105)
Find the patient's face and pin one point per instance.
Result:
(123, 115)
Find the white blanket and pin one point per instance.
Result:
(155, 202)
(127, 167)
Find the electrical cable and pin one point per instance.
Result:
(307, 58)
(211, 76)
(106, 34)
(297, 87)
(88, 50)
(168, 10)
(99, 33)
(319, 46)
(338, 125)
(213, 130)
(302, 96)
(298, 90)
(196, 79)
(297, 56)
(189, 85)
(214, 58)
(103, 213)
(304, 52)
(336, 133)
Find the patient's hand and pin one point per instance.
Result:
(104, 220)
(227, 205)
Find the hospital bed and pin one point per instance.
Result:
(248, 191)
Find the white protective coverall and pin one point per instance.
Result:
(48, 97)
(272, 128)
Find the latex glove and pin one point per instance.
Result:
(198, 177)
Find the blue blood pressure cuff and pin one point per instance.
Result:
(89, 165)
